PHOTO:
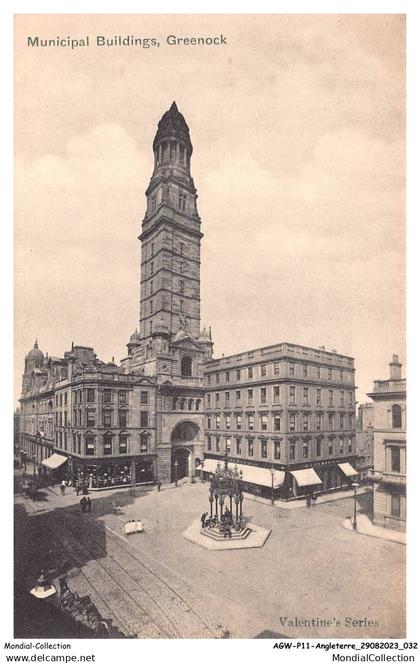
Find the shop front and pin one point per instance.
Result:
(114, 473)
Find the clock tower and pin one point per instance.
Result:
(169, 345)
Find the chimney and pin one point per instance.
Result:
(395, 368)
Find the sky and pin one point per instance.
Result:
(298, 129)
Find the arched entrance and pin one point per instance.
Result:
(182, 439)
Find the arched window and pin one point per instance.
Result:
(396, 416)
(186, 367)
(197, 404)
(89, 444)
(190, 403)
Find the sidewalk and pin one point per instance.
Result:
(301, 503)
(366, 527)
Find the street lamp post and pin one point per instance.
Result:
(176, 471)
(34, 459)
(355, 487)
(272, 470)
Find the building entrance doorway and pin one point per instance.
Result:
(180, 463)
(182, 438)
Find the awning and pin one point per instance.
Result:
(347, 469)
(260, 476)
(54, 461)
(306, 477)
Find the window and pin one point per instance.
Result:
(61, 399)
(238, 446)
(153, 202)
(89, 445)
(305, 421)
(181, 286)
(291, 368)
(107, 444)
(276, 368)
(305, 370)
(263, 370)
(330, 448)
(123, 446)
(350, 398)
(250, 372)
(250, 447)
(263, 448)
(305, 395)
(186, 367)
(218, 421)
(228, 422)
(107, 418)
(292, 422)
(350, 446)
(122, 419)
(341, 446)
(227, 376)
(90, 418)
(330, 421)
(395, 459)
(227, 444)
(318, 421)
(65, 418)
(217, 399)
(144, 443)
(208, 400)
(292, 450)
(122, 397)
(277, 451)
(107, 396)
(341, 376)
(250, 422)
(318, 447)
(264, 422)
(227, 397)
(396, 416)
(276, 394)
(318, 396)
(292, 394)
(250, 396)
(238, 422)
(277, 420)
(144, 398)
(318, 371)
(341, 421)
(305, 449)
(208, 422)
(217, 378)
(330, 397)
(151, 306)
(395, 505)
(144, 418)
(263, 394)
(351, 420)
(182, 201)
(61, 418)
(208, 443)
(238, 395)
(238, 374)
(181, 305)
(329, 373)
(341, 397)
(217, 443)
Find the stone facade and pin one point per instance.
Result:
(389, 476)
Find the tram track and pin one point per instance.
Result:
(156, 599)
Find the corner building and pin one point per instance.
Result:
(286, 414)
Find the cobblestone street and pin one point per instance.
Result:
(158, 584)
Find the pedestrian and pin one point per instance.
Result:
(314, 500)
(159, 484)
(83, 504)
(77, 488)
(203, 518)
(308, 501)
(63, 487)
(85, 488)
(88, 504)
